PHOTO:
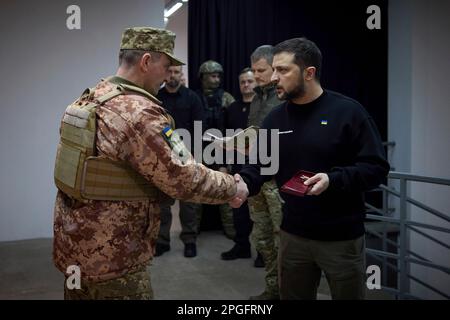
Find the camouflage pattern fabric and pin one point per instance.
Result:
(150, 39)
(226, 212)
(227, 99)
(263, 102)
(108, 239)
(132, 286)
(265, 212)
(210, 66)
(226, 217)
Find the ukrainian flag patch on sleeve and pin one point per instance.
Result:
(167, 131)
(173, 139)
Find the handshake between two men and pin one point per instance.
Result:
(241, 193)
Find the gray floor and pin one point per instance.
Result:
(27, 271)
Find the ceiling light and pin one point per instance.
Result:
(169, 12)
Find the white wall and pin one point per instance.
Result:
(178, 23)
(419, 119)
(399, 89)
(44, 67)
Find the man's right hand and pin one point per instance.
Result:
(241, 194)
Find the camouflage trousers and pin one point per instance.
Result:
(225, 211)
(131, 286)
(265, 212)
(226, 216)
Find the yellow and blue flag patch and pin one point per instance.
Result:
(167, 131)
(324, 122)
(173, 139)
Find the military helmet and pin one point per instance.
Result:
(209, 66)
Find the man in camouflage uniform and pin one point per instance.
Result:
(265, 207)
(215, 100)
(112, 242)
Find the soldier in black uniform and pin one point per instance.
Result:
(215, 100)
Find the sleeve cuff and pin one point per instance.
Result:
(335, 178)
(250, 187)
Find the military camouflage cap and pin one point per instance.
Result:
(150, 39)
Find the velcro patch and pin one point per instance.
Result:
(179, 150)
(167, 131)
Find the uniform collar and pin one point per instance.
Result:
(120, 80)
(265, 90)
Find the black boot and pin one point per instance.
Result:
(190, 250)
(259, 261)
(236, 252)
(161, 248)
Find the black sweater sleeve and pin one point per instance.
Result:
(251, 173)
(253, 178)
(369, 167)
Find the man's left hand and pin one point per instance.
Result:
(319, 182)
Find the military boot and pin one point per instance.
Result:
(161, 248)
(259, 261)
(237, 252)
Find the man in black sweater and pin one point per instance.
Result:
(334, 137)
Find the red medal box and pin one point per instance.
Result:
(295, 185)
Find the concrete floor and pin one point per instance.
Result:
(27, 271)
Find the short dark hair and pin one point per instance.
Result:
(131, 57)
(245, 70)
(306, 53)
(262, 52)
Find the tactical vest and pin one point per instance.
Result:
(82, 175)
(213, 110)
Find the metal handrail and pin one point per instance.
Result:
(417, 203)
(394, 244)
(408, 223)
(389, 144)
(408, 259)
(413, 177)
(429, 237)
(393, 267)
(403, 257)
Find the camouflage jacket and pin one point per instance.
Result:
(263, 102)
(227, 99)
(107, 239)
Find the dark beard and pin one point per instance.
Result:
(298, 92)
(172, 84)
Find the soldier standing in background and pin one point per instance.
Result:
(236, 117)
(185, 108)
(265, 207)
(215, 100)
(116, 159)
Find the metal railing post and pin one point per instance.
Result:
(403, 255)
(384, 246)
(403, 281)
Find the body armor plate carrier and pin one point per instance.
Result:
(82, 175)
